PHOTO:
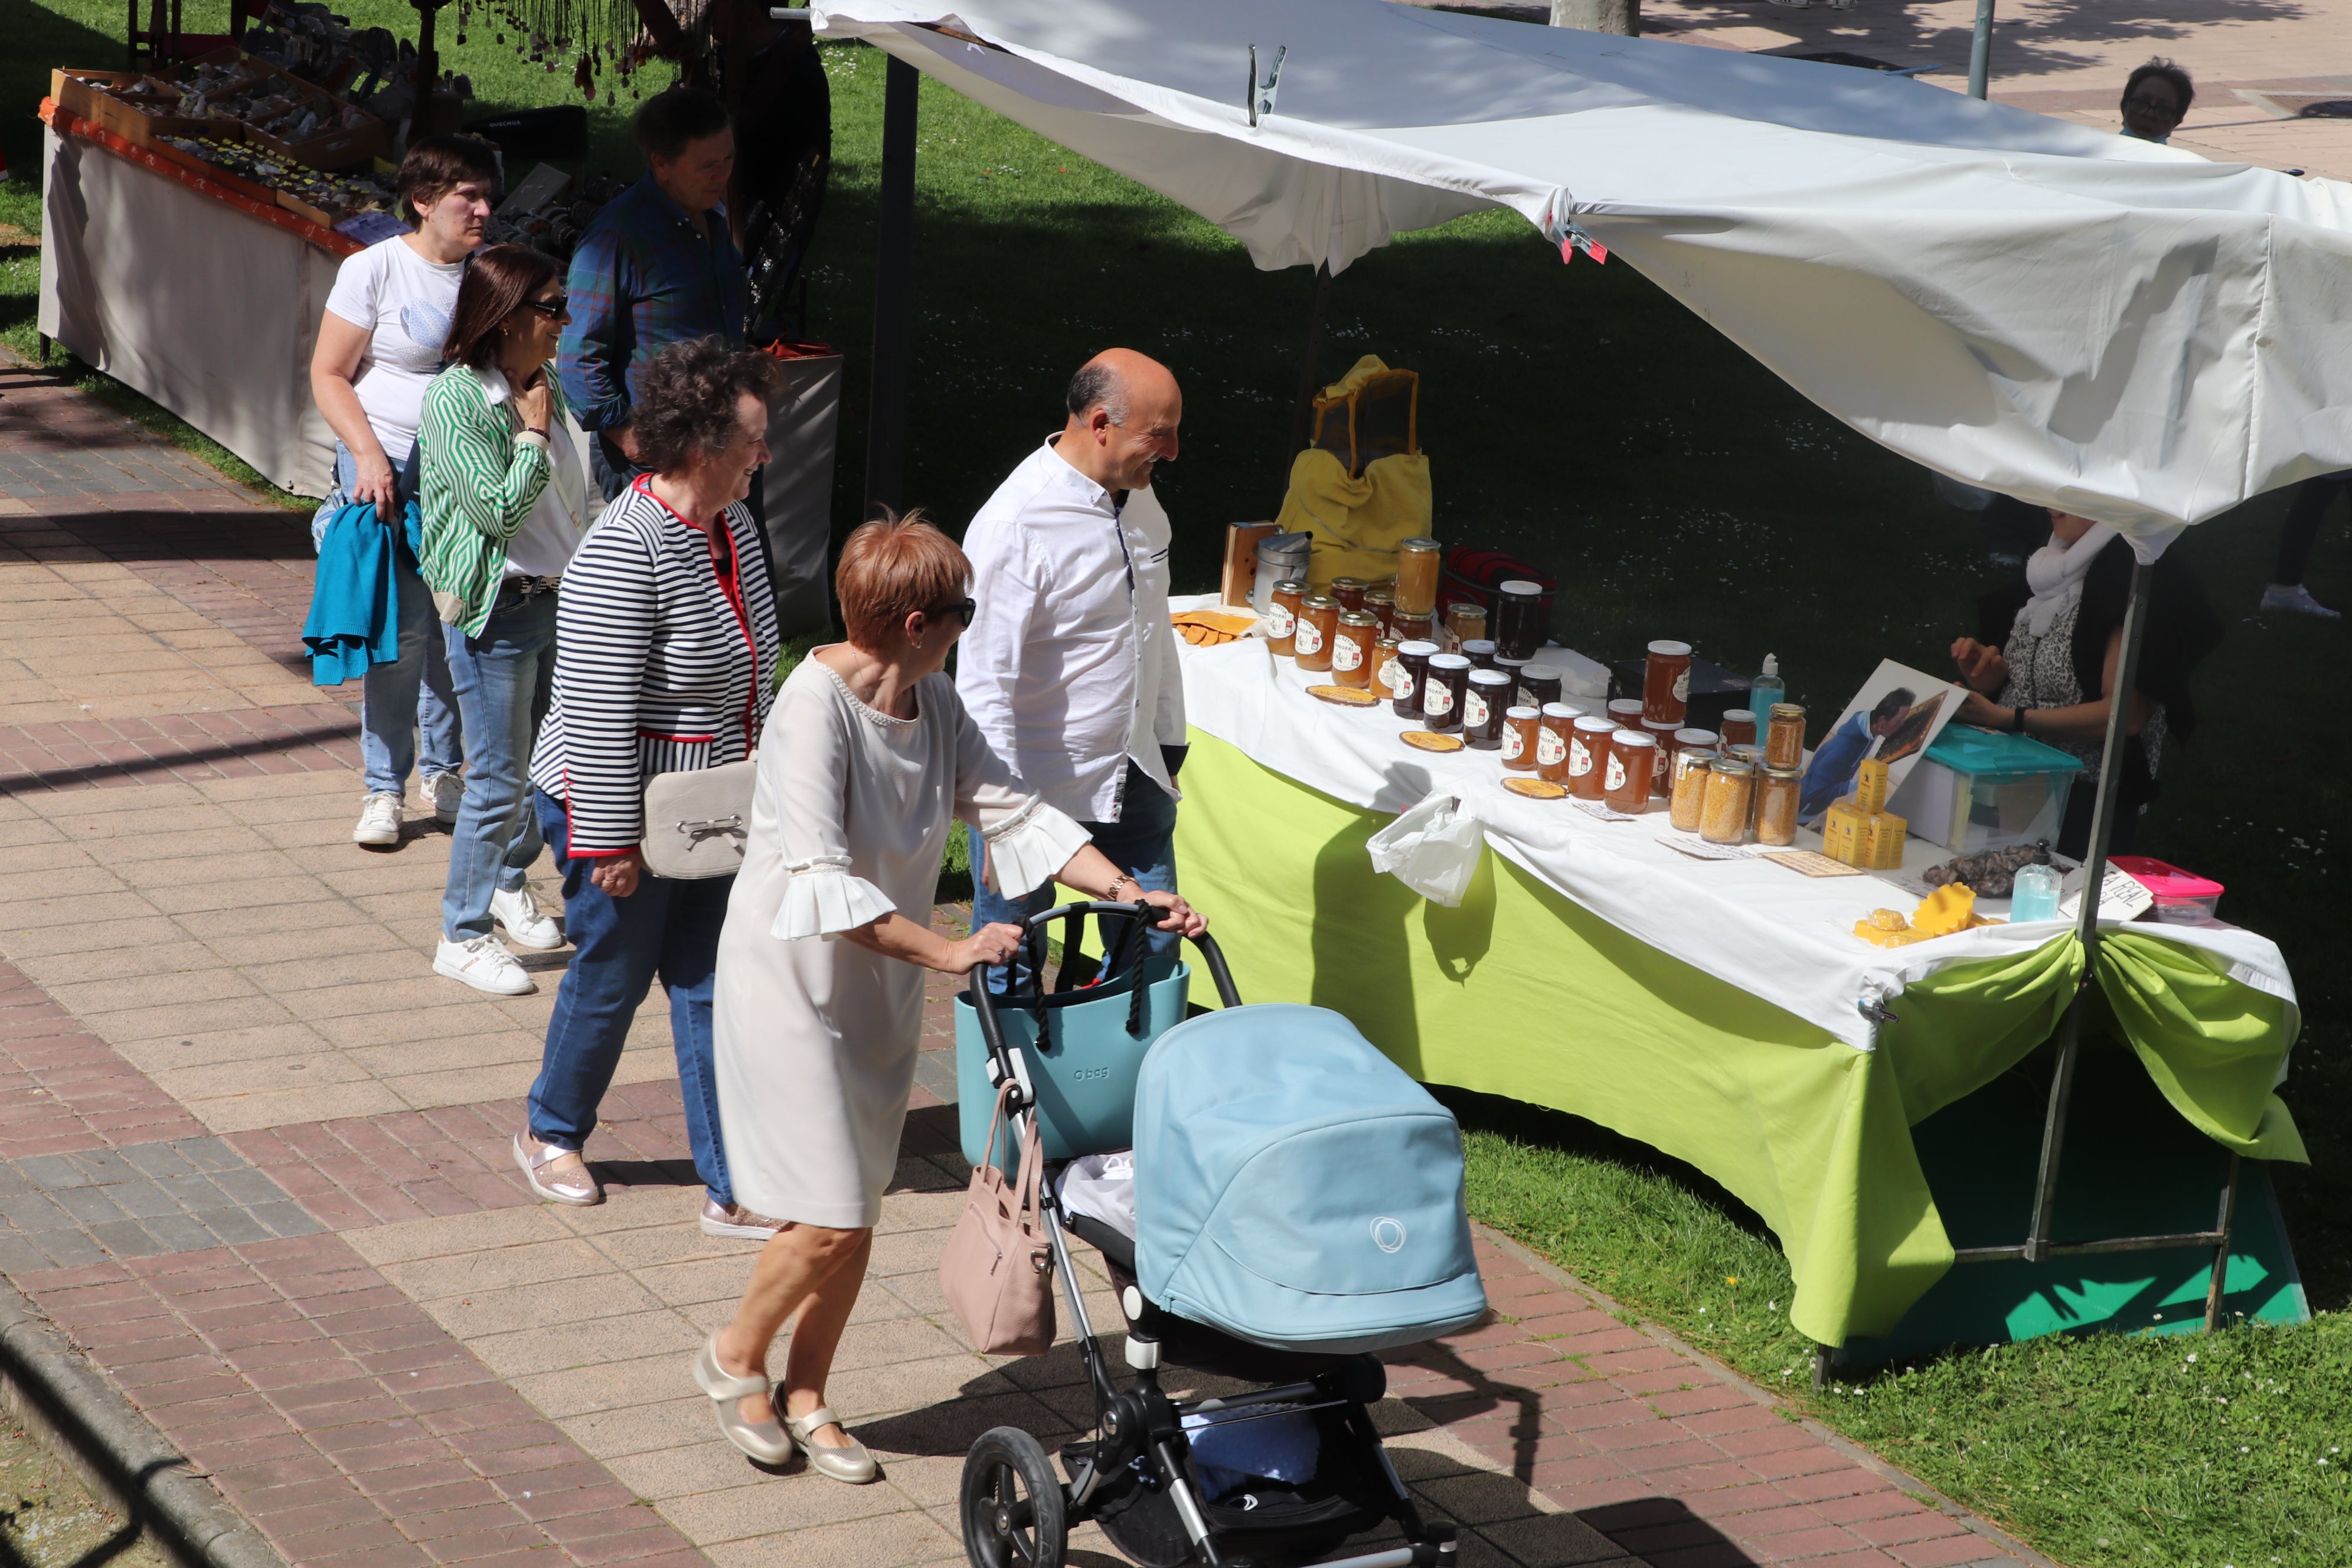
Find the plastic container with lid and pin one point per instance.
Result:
(1446, 691)
(2182, 898)
(1986, 789)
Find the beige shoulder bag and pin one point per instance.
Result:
(695, 823)
(997, 1271)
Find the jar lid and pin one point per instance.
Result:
(1625, 705)
(1513, 664)
(1290, 585)
(1596, 726)
(1753, 755)
(1351, 583)
(1561, 710)
(1698, 737)
(1489, 678)
(1448, 661)
(1388, 639)
(1787, 710)
(1416, 544)
(1380, 593)
(1732, 765)
(1664, 726)
(1671, 649)
(1321, 602)
(1413, 647)
(1636, 738)
(1748, 713)
(1520, 587)
(1523, 713)
(1476, 646)
(1535, 671)
(1358, 619)
(1784, 772)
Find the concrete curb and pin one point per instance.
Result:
(68, 1404)
(2014, 1552)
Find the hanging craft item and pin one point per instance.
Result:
(1362, 484)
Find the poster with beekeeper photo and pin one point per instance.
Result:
(1895, 716)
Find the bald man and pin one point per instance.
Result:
(1069, 667)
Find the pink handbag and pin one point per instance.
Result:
(997, 1272)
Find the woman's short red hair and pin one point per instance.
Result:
(891, 568)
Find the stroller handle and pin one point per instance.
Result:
(983, 1004)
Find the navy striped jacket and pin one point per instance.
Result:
(660, 666)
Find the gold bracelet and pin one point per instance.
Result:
(1111, 895)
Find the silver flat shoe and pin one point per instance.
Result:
(531, 1156)
(852, 1464)
(762, 1440)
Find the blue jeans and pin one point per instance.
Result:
(398, 700)
(665, 928)
(1141, 842)
(504, 678)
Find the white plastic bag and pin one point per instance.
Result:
(1432, 849)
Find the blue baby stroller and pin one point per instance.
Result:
(1298, 1205)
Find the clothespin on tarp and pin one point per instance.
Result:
(1260, 100)
(1564, 232)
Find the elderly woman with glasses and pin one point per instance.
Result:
(820, 1003)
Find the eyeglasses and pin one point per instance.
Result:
(551, 309)
(963, 608)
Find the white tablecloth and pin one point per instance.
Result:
(1772, 932)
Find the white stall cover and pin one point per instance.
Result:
(2073, 317)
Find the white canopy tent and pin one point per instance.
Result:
(2071, 318)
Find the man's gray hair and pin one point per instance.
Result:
(1099, 385)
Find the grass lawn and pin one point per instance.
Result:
(1578, 416)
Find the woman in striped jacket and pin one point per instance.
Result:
(506, 502)
(665, 662)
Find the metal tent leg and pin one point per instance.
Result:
(2226, 1224)
(1980, 52)
(1302, 412)
(894, 288)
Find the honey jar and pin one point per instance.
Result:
(1738, 728)
(1282, 617)
(1380, 600)
(1480, 652)
(1418, 568)
(1351, 649)
(1384, 665)
(1348, 591)
(1556, 728)
(1666, 682)
(1489, 693)
(1539, 684)
(1519, 619)
(1412, 628)
(1412, 668)
(1784, 736)
(1685, 806)
(1625, 713)
(1446, 692)
(1588, 757)
(1775, 806)
(1730, 789)
(1319, 623)
(1521, 738)
(1464, 622)
(1662, 735)
(1632, 763)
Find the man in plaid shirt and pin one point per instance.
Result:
(656, 265)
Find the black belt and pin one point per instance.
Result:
(529, 587)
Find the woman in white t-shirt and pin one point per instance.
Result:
(379, 346)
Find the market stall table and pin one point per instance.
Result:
(1720, 1011)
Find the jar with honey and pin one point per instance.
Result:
(1418, 568)
(1282, 617)
(1784, 737)
(1412, 628)
(1521, 738)
(1384, 664)
(1539, 684)
(1632, 763)
(1625, 713)
(1351, 649)
(1738, 728)
(1555, 730)
(1446, 691)
(1685, 806)
(1380, 600)
(1588, 757)
(1662, 736)
(1348, 591)
(1731, 790)
(1666, 682)
(1319, 623)
(1480, 652)
(1776, 805)
(1412, 668)
(1519, 620)
(1464, 622)
(1488, 694)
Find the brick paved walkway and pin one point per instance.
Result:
(253, 1159)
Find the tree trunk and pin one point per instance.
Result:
(1621, 16)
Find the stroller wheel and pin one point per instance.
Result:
(1012, 1504)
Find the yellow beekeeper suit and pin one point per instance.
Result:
(1355, 518)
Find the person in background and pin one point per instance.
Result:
(655, 267)
(506, 503)
(820, 1005)
(379, 347)
(665, 662)
(2045, 659)
(2157, 97)
(1069, 669)
(2296, 536)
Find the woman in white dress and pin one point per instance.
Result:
(867, 755)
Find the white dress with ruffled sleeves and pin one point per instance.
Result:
(815, 1036)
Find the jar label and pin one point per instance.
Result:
(1391, 676)
(1682, 685)
(1310, 636)
(1515, 744)
(1580, 759)
(1473, 710)
(1280, 623)
(1614, 780)
(1400, 680)
(1437, 699)
(1549, 748)
(1346, 653)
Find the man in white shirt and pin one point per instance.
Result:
(1069, 667)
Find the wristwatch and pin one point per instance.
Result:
(2017, 719)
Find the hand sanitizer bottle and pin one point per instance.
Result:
(1766, 689)
(2035, 893)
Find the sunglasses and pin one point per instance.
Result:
(551, 309)
(963, 608)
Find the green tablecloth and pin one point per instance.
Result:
(1520, 992)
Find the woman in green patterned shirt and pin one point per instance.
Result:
(506, 503)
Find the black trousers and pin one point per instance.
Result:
(2301, 530)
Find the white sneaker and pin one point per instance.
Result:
(483, 964)
(445, 793)
(379, 823)
(526, 927)
(2297, 598)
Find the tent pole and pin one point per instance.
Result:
(894, 288)
(1302, 413)
(2094, 875)
(1980, 52)
(2218, 1283)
